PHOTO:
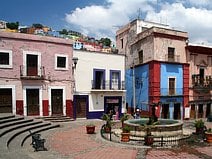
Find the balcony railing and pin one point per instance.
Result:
(199, 82)
(175, 58)
(32, 73)
(171, 91)
(108, 85)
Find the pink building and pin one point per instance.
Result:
(35, 75)
(200, 85)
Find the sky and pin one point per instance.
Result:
(102, 18)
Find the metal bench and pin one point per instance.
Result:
(37, 142)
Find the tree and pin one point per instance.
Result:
(105, 41)
(37, 25)
(64, 31)
(13, 25)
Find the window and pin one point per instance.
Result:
(98, 79)
(140, 56)
(201, 74)
(61, 62)
(5, 59)
(171, 54)
(115, 79)
(171, 86)
(31, 64)
(122, 43)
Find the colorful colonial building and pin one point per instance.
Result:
(199, 58)
(99, 84)
(35, 75)
(156, 68)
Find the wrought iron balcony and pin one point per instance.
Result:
(201, 83)
(175, 58)
(107, 85)
(32, 73)
(171, 91)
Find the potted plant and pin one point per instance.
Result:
(124, 117)
(149, 138)
(199, 124)
(208, 135)
(125, 135)
(90, 128)
(108, 123)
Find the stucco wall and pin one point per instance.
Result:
(87, 62)
(45, 47)
(141, 87)
(171, 71)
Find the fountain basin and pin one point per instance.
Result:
(165, 127)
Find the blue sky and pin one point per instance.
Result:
(100, 18)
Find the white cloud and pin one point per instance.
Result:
(101, 20)
(200, 3)
(196, 21)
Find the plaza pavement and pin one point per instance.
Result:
(71, 142)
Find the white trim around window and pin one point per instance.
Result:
(60, 68)
(25, 53)
(10, 59)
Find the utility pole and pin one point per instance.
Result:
(134, 104)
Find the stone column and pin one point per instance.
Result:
(196, 110)
(204, 110)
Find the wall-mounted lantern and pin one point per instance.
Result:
(75, 60)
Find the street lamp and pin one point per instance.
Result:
(75, 60)
(133, 84)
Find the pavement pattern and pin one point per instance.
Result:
(71, 142)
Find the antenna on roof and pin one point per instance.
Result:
(139, 13)
(157, 8)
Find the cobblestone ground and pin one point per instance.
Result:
(73, 142)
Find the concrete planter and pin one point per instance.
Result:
(125, 137)
(208, 137)
(149, 139)
(90, 129)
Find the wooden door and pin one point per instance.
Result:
(165, 111)
(6, 100)
(81, 103)
(193, 112)
(32, 99)
(177, 112)
(57, 101)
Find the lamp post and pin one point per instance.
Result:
(74, 65)
(75, 60)
(133, 85)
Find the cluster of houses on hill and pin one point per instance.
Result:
(153, 65)
(80, 41)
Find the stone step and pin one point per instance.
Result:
(18, 126)
(2, 126)
(3, 121)
(57, 119)
(3, 117)
(20, 140)
(42, 130)
(25, 130)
